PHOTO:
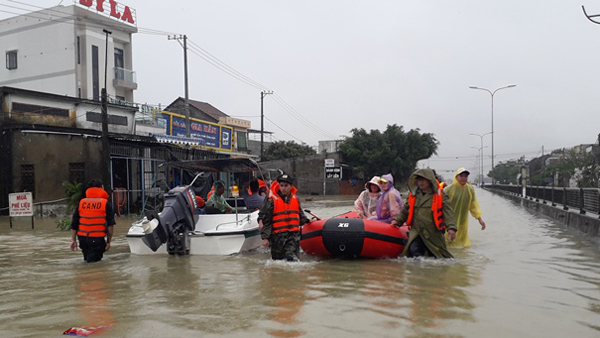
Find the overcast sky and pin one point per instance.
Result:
(347, 64)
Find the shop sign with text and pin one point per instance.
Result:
(111, 9)
(214, 135)
(21, 204)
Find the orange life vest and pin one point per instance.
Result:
(92, 213)
(436, 208)
(286, 216)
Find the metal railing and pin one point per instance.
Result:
(584, 199)
(125, 74)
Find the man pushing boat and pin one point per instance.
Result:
(429, 214)
(282, 218)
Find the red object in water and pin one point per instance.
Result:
(84, 331)
(350, 237)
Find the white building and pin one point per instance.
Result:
(61, 50)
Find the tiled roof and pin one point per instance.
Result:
(208, 109)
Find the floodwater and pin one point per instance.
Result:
(524, 276)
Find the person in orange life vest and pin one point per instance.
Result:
(429, 214)
(274, 186)
(282, 218)
(92, 222)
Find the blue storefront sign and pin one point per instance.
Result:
(226, 138)
(213, 135)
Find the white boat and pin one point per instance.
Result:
(177, 229)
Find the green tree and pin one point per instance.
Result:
(578, 165)
(287, 149)
(393, 151)
(75, 193)
(506, 173)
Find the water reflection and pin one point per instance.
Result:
(436, 291)
(285, 297)
(93, 295)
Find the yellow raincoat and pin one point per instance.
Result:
(463, 202)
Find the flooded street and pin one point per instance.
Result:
(524, 276)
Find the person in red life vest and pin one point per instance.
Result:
(429, 214)
(92, 222)
(282, 218)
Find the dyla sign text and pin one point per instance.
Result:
(114, 11)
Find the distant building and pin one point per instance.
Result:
(62, 50)
(216, 129)
(331, 146)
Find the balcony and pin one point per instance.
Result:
(124, 78)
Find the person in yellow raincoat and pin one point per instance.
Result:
(463, 201)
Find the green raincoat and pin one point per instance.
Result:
(423, 225)
(463, 201)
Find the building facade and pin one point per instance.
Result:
(63, 50)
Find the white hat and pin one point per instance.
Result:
(374, 180)
(462, 170)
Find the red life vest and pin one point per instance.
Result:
(286, 216)
(92, 213)
(436, 208)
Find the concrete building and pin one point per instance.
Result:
(63, 50)
(47, 139)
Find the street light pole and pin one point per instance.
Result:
(481, 157)
(492, 94)
(477, 157)
(262, 121)
(105, 167)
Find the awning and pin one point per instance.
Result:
(179, 140)
(217, 165)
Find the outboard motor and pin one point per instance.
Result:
(174, 223)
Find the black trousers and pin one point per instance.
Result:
(418, 249)
(92, 248)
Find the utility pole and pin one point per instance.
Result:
(185, 80)
(262, 121)
(105, 167)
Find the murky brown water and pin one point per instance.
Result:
(524, 277)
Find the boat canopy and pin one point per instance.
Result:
(218, 165)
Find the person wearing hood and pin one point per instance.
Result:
(282, 218)
(429, 214)
(366, 203)
(463, 201)
(390, 201)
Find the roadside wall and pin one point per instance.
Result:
(309, 172)
(588, 224)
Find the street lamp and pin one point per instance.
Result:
(492, 94)
(478, 164)
(481, 157)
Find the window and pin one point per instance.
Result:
(95, 74)
(11, 59)
(78, 50)
(242, 143)
(119, 64)
(77, 172)
(28, 178)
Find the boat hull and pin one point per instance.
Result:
(353, 238)
(224, 234)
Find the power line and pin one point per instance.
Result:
(284, 130)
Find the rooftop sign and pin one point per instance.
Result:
(111, 9)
